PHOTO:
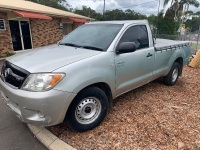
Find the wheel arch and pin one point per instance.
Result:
(180, 61)
(104, 87)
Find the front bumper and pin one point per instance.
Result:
(39, 108)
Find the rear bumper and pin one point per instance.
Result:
(39, 108)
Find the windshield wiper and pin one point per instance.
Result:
(69, 44)
(93, 48)
(86, 47)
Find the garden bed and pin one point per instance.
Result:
(154, 116)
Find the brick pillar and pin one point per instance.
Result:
(5, 37)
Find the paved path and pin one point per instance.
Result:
(15, 135)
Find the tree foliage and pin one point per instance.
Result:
(194, 3)
(175, 16)
(115, 14)
(166, 24)
(59, 4)
(178, 8)
(193, 22)
(198, 13)
(153, 20)
(87, 11)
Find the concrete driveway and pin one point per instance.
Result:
(15, 135)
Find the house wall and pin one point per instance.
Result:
(45, 32)
(5, 37)
(76, 25)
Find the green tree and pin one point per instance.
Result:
(166, 24)
(128, 14)
(115, 14)
(193, 24)
(178, 8)
(87, 11)
(153, 20)
(190, 2)
(170, 22)
(59, 4)
(189, 12)
(198, 13)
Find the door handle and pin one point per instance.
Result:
(149, 55)
(120, 62)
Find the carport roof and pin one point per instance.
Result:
(37, 8)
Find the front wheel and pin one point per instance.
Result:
(88, 109)
(172, 77)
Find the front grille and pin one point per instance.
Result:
(13, 75)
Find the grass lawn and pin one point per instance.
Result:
(194, 46)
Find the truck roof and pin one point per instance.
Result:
(120, 22)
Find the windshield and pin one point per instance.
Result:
(92, 36)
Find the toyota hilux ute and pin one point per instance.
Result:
(76, 80)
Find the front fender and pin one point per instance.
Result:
(89, 71)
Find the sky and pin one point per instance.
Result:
(146, 7)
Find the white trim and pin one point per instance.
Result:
(18, 19)
(4, 25)
(20, 51)
(11, 36)
(30, 34)
(15, 18)
(20, 30)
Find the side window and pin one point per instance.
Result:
(137, 34)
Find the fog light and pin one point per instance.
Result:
(41, 115)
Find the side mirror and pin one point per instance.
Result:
(126, 47)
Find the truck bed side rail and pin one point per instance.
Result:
(173, 47)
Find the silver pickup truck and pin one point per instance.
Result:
(76, 80)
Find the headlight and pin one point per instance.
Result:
(42, 82)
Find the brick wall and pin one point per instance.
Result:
(76, 25)
(45, 32)
(5, 37)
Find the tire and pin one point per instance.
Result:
(87, 110)
(172, 77)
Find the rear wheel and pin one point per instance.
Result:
(172, 77)
(88, 109)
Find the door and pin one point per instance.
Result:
(20, 33)
(67, 28)
(135, 68)
(15, 35)
(26, 36)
